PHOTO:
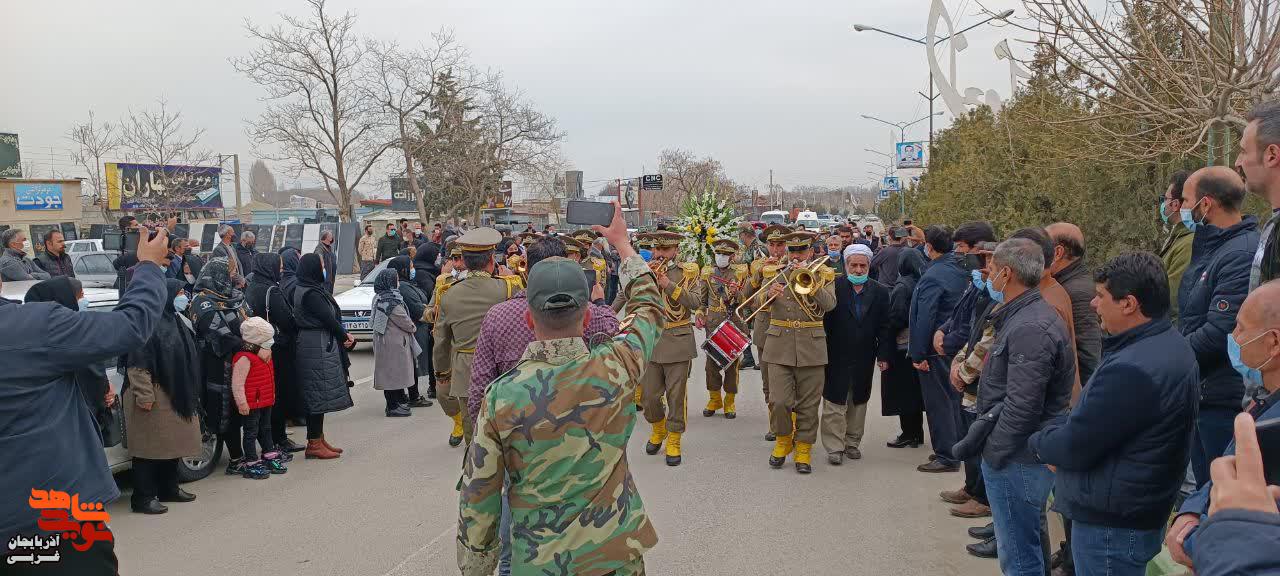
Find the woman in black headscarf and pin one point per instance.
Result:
(415, 301)
(266, 300)
(321, 351)
(900, 395)
(427, 265)
(160, 403)
(289, 276)
(218, 308)
(394, 346)
(92, 380)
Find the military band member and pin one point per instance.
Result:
(797, 351)
(724, 286)
(762, 269)
(597, 264)
(667, 373)
(460, 310)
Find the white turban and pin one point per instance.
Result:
(857, 250)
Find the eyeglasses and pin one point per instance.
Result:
(1164, 199)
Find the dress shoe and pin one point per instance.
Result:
(152, 506)
(938, 467)
(770, 437)
(289, 445)
(904, 442)
(971, 509)
(983, 532)
(331, 447)
(955, 496)
(835, 458)
(853, 453)
(400, 411)
(983, 549)
(421, 402)
(431, 391)
(179, 496)
(316, 449)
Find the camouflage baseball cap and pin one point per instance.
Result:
(557, 283)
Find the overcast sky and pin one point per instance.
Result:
(756, 84)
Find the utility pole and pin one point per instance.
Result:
(235, 164)
(779, 200)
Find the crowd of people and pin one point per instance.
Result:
(1126, 390)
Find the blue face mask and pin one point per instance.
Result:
(996, 295)
(646, 254)
(82, 304)
(391, 232)
(1164, 218)
(1189, 218)
(857, 279)
(413, 272)
(180, 302)
(978, 282)
(1252, 376)
(833, 254)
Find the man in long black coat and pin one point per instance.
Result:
(857, 337)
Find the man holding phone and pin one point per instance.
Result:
(1253, 348)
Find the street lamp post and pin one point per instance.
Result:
(921, 41)
(902, 126)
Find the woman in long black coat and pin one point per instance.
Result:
(267, 301)
(415, 303)
(321, 353)
(857, 335)
(900, 393)
(426, 272)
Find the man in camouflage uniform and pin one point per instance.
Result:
(460, 311)
(557, 426)
(724, 285)
(777, 254)
(668, 371)
(797, 354)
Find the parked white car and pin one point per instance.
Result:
(357, 305)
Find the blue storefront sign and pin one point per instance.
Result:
(38, 196)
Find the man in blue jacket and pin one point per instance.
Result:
(1214, 285)
(47, 425)
(940, 287)
(1242, 532)
(1255, 345)
(1121, 452)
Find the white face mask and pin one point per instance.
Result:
(269, 344)
(455, 273)
(722, 260)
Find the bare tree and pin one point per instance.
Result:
(94, 142)
(157, 136)
(685, 175)
(320, 116)
(1156, 76)
(520, 139)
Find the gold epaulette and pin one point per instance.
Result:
(690, 269)
(514, 284)
(740, 270)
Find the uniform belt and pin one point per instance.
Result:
(473, 350)
(796, 323)
(676, 324)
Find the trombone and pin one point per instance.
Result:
(805, 282)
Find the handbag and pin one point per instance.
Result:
(973, 441)
(111, 424)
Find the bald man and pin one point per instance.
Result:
(1257, 333)
(1069, 270)
(1213, 287)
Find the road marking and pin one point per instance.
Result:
(447, 531)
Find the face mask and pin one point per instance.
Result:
(269, 343)
(978, 282)
(997, 295)
(391, 232)
(180, 302)
(857, 279)
(833, 254)
(1252, 376)
(1189, 217)
(1164, 218)
(454, 273)
(82, 304)
(190, 279)
(412, 273)
(646, 254)
(722, 260)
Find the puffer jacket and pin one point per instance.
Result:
(1030, 369)
(319, 365)
(1213, 288)
(1121, 452)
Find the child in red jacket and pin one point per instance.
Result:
(253, 387)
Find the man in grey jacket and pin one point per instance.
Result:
(14, 263)
(1030, 371)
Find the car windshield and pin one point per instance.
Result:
(368, 279)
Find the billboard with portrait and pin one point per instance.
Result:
(910, 155)
(890, 184)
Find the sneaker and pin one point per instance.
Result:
(274, 463)
(235, 466)
(421, 402)
(400, 411)
(285, 456)
(853, 453)
(937, 466)
(255, 470)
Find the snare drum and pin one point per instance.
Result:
(726, 343)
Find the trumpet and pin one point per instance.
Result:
(518, 265)
(805, 280)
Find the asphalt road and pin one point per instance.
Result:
(388, 505)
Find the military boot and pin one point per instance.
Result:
(655, 439)
(673, 449)
(455, 437)
(730, 408)
(713, 404)
(802, 457)
(781, 448)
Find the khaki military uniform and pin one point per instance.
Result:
(797, 354)
(461, 312)
(719, 297)
(760, 324)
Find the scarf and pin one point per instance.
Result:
(58, 289)
(289, 278)
(214, 289)
(401, 266)
(386, 288)
(171, 356)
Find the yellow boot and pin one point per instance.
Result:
(673, 449)
(713, 404)
(639, 407)
(802, 457)
(730, 409)
(655, 439)
(455, 437)
(781, 447)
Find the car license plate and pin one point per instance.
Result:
(355, 325)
